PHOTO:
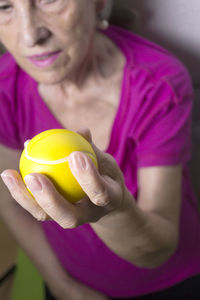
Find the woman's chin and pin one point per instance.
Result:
(48, 78)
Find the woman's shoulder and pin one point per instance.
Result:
(150, 61)
(144, 52)
(12, 77)
(8, 66)
(9, 74)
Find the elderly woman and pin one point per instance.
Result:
(136, 234)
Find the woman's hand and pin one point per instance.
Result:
(104, 189)
(144, 232)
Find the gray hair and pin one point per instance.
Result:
(106, 12)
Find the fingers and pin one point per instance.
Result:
(47, 202)
(102, 190)
(107, 164)
(52, 202)
(19, 192)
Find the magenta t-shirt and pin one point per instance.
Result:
(152, 127)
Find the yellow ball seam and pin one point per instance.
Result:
(52, 162)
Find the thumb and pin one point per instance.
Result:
(85, 133)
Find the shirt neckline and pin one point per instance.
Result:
(113, 33)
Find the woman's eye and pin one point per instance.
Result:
(47, 1)
(5, 7)
(53, 6)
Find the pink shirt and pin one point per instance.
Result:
(152, 127)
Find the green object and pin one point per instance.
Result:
(28, 283)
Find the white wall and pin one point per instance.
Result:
(174, 24)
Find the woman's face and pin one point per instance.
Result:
(49, 39)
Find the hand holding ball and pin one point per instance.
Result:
(47, 153)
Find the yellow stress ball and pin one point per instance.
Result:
(47, 153)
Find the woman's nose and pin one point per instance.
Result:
(31, 32)
(35, 36)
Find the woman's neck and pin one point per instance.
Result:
(102, 64)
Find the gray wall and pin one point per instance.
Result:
(175, 24)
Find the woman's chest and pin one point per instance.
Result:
(95, 108)
(98, 116)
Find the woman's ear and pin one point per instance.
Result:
(99, 5)
(104, 8)
(103, 5)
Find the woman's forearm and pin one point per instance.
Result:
(29, 235)
(142, 238)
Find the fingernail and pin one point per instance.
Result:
(77, 161)
(33, 183)
(8, 180)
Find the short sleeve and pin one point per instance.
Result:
(163, 134)
(8, 128)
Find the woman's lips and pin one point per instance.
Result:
(45, 59)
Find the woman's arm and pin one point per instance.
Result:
(26, 230)
(148, 230)
(144, 233)
(28, 233)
